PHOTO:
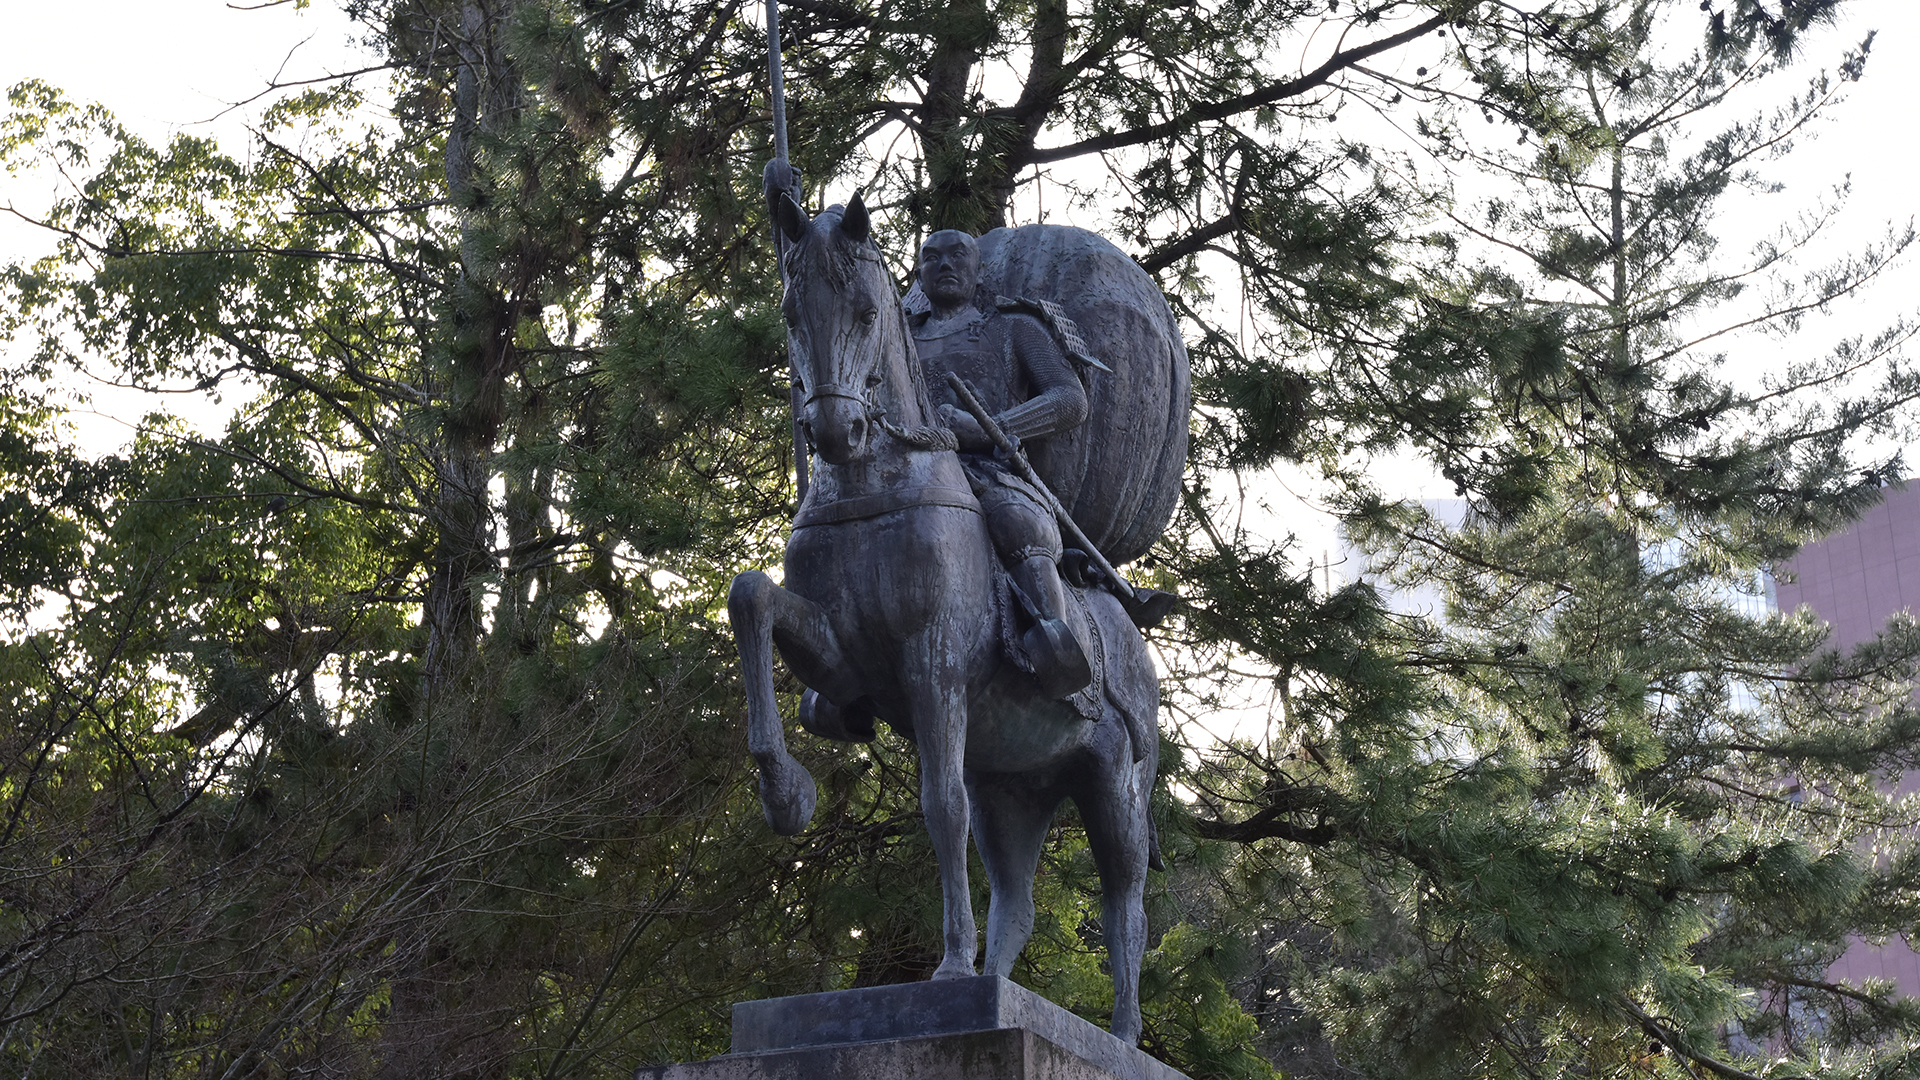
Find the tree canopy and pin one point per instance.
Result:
(392, 729)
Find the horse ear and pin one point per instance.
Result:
(855, 222)
(791, 219)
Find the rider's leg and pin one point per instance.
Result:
(1028, 542)
(1053, 644)
(1010, 823)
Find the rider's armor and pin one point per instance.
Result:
(1026, 383)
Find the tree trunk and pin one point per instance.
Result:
(479, 359)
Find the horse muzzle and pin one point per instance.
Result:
(842, 431)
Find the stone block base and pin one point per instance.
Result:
(1006, 1054)
(983, 1028)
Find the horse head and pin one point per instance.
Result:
(845, 334)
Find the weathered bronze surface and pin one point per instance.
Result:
(896, 604)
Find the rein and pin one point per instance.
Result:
(929, 438)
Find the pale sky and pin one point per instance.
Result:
(166, 65)
(179, 65)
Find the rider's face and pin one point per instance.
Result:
(949, 268)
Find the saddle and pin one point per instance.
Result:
(1011, 621)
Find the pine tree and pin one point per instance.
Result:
(392, 730)
(1595, 809)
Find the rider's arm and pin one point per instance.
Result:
(1059, 402)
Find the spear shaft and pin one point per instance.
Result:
(778, 80)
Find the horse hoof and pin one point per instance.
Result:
(789, 813)
(953, 969)
(786, 796)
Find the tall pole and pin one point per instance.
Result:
(779, 82)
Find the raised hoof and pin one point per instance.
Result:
(829, 721)
(1059, 663)
(786, 794)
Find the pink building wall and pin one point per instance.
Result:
(1854, 580)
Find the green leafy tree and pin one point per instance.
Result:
(391, 729)
(1590, 810)
(382, 731)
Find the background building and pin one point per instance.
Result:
(1854, 580)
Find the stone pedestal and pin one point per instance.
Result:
(983, 1028)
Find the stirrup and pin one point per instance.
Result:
(1059, 663)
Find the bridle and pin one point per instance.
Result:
(928, 438)
(833, 391)
(933, 437)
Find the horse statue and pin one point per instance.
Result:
(890, 610)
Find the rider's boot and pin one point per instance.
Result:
(1059, 660)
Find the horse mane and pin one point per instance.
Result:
(836, 258)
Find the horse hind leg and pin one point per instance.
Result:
(1009, 828)
(757, 607)
(1119, 833)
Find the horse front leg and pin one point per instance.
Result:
(937, 693)
(757, 607)
(1010, 823)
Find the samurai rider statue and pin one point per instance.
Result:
(1026, 382)
(1024, 379)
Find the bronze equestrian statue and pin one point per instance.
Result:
(896, 605)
